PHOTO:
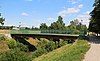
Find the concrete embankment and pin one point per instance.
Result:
(8, 35)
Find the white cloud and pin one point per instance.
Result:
(73, 10)
(83, 15)
(24, 14)
(80, 6)
(63, 13)
(68, 11)
(87, 12)
(85, 19)
(73, 1)
(50, 18)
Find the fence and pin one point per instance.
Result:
(41, 31)
(24, 31)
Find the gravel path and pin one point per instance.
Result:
(94, 52)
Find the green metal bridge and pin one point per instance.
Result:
(54, 35)
(44, 33)
(41, 31)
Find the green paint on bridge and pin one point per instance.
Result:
(41, 31)
(38, 32)
(25, 31)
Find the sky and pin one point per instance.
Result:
(34, 12)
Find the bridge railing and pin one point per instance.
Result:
(41, 31)
(57, 31)
(24, 31)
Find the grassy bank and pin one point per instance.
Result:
(74, 52)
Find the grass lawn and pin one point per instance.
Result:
(74, 52)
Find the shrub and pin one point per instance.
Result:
(16, 45)
(62, 43)
(50, 46)
(22, 47)
(47, 47)
(11, 43)
(14, 55)
(44, 40)
(2, 38)
(76, 31)
(41, 43)
(38, 53)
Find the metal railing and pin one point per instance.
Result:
(24, 31)
(40, 31)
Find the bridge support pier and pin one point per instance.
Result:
(57, 41)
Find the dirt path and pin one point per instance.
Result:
(94, 52)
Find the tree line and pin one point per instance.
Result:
(75, 26)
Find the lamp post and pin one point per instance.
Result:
(19, 25)
(0, 14)
(0, 10)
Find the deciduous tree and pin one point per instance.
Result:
(2, 21)
(43, 26)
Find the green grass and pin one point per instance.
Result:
(74, 52)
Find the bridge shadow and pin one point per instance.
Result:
(94, 39)
(22, 40)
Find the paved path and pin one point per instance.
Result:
(94, 52)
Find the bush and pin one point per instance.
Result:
(22, 47)
(41, 43)
(2, 38)
(16, 45)
(47, 47)
(50, 46)
(11, 43)
(38, 53)
(62, 43)
(14, 55)
(76, 31)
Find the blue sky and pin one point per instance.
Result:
(34, 12)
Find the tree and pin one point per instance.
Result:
(60, 20)
(94, 25)
(32, 27)
(73, 24)
(2, 21)
(75, 27)
(43, 26)
(58, 25)
(53, 26)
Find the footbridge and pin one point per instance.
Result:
(51, 35)
(56, 36)
(43, 34)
